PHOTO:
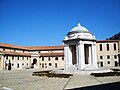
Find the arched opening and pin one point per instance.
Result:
(34, 61)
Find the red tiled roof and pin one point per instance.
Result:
(15, 53)
(45, 48)
(32, 48)
(29, 54)
(12, 46)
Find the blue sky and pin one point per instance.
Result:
(46, 22)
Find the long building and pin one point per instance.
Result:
(108, 53)
(22, 57)
(19, 57)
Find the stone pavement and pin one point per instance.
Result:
(23, 80)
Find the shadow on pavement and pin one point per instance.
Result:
(108, 86)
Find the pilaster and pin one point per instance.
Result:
(94, 59)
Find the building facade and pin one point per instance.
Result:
(19, 57)
(108, 53)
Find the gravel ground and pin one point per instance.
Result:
(23, 80)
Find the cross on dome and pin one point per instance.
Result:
(79, 24)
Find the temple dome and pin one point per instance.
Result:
(79, 32)
(79, 28)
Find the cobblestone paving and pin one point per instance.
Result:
(23, 80)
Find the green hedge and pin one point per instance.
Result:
(50, 74)
(106, 74)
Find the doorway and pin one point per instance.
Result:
(56, 65)
(86, 53)
(116, 63)
(34, 61)
(9, 65)
(73, 52)
(42, 65)
(101, 64)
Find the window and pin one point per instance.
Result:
(27, 58)
(108, 57)
(100, 47)
(3, 49)
(108, 62)
(6, 57)
(56, 58)
(56, 65)
(116, 63)
(49, 58)
(12, 64)
(115, 56)
(42, 65)
(114, 46)
(50, 64)
(101, 64)
(107, 47)
(12, 57)
(62, 58)
(101, 57)
(42, 58)
(22, 64)
(22, 58)
(18, 58)
(27, 64)
(18, 65)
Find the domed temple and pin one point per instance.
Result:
(80, 49)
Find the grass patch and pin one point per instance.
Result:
(50, 74)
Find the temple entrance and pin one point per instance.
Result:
(73, 52)
(87, 53)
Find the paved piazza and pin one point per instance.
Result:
(23, 80)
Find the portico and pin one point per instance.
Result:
(80, 49)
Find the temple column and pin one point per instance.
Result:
(94, 59)
(90, 55)
(81, 55)
(66, 56)
(70, 56)
(77, 55)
